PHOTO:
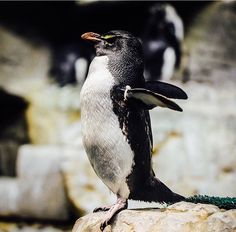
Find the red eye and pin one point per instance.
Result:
(111, 40)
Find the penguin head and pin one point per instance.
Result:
(114, 42)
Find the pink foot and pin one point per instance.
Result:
(112, 210)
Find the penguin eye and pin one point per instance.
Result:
(109, 39)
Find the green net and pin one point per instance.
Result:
(221, 202)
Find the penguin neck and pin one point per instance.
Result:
(127, 68)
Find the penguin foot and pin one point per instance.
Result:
(120, 205)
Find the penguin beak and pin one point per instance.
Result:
(91, 36)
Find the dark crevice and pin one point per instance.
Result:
(13, 131)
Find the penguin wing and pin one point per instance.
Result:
(149, 129)
(165, 89)
(150, 99)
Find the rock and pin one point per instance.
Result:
(9, 191)
(196, 149)
(53, 112)
(180, 217)
(211, 40)
(23, 65)
(29, 227)
(40, 179)
(38, 191)
(24, 72)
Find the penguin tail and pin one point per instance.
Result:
(156, 191)
(221, 202)
(163, 194)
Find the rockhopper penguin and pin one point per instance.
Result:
(162, 42)
(116, 127)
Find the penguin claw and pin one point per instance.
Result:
(104, 225)
(99, 209)
(120, 205)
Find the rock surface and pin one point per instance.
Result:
(38, 191)
(180, 217)
(29, 227)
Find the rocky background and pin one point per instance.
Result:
(46, 181)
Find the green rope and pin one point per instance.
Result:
(221, 202)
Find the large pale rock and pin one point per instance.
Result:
(41, 183)
(53, 113)
(38, 190)
(23, 65)
(29, 227)
(180, 217)
(196, 149)
(211, 41)
(9, 195)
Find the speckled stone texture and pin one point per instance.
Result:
(180, 217)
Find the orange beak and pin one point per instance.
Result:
(91, 36)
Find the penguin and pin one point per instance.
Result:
(115, 122)
(70, 64)
(162, 41)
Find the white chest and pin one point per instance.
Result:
(106, 146)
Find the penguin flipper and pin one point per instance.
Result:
(165, 89)
(150, 99)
